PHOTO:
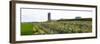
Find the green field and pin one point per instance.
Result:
(26, 28)
(55, 27)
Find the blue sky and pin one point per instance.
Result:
(37, 15)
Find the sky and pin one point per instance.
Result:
(40, 15)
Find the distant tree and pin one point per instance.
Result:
(78, 17)
(61, 19)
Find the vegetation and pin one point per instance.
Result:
(56, 27)
(26, 28)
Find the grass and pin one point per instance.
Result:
(56, 27)
(26, 28)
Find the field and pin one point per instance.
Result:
(56, 27)
(26, 28)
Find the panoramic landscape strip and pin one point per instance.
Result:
(61, 26)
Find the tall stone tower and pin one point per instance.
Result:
(49, 16)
